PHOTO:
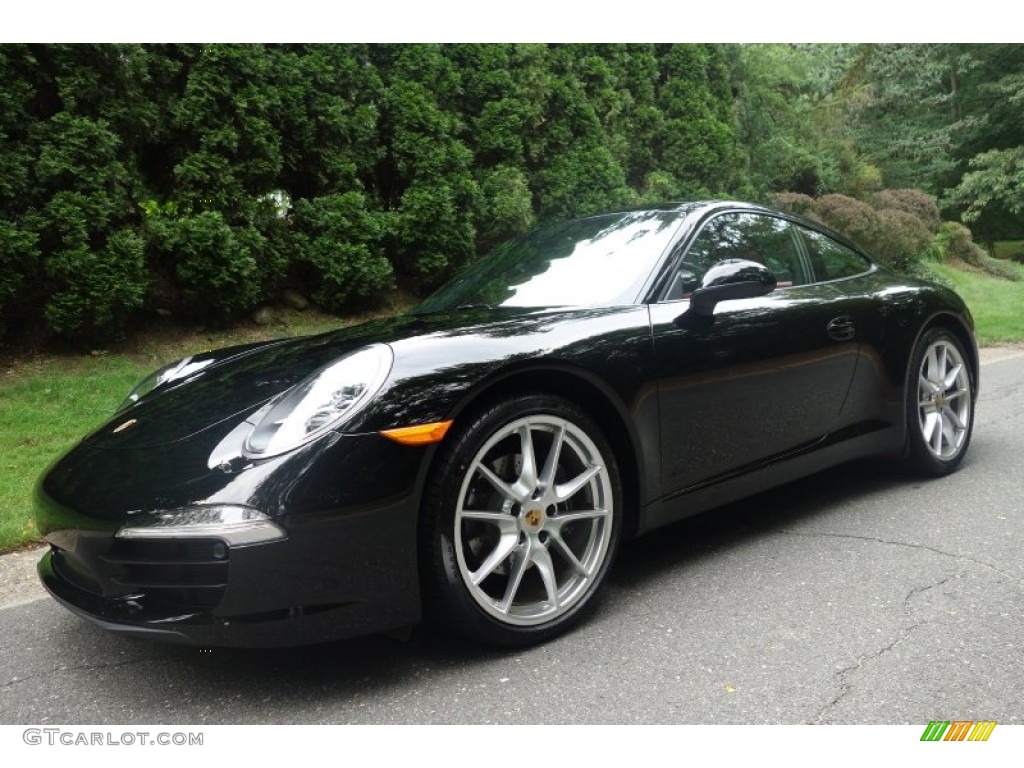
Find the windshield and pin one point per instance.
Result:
(597, 261)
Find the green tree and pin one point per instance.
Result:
(425, 181)
(792, 103)
(988, 190)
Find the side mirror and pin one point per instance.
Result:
(731, 279)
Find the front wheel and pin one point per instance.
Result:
(940, 403)
(521, 522)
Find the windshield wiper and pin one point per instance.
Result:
(459, 308)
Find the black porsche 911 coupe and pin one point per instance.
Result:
(479, 460)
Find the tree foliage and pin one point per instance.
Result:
(946, 119)
(995, 181)
(205, 180)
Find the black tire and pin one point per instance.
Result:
(497, 553)
(940, 403)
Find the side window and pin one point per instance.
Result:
(752, 236)
(832, 260)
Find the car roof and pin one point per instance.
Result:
(687, 207)
(703, 208)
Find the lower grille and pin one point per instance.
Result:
(183, 574)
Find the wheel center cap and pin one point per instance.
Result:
(534, 519)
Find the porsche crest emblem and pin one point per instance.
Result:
(123, 426)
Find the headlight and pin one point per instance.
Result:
(179, 369)
(320, 402)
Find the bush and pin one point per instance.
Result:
(896, 233)
(958, 243)
(508, 204)
(342, 242)
(18, 255)
(1000, 268)
(902, 239)
(793, 202)
(857, 220)
(214, 269)
(912, 201)
(434, 227)
(80, 154)
(578, 182)
(659, 187)
(96, 290)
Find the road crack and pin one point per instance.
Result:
(909, 545)
(843, 674)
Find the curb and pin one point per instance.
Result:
(19, 583)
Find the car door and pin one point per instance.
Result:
(870, 309)
(761, 377)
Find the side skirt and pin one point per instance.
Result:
(830, 452)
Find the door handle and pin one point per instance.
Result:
(841, 328)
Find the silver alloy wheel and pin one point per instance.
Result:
(530, 538)
(944, 399)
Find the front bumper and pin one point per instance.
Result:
(346, 566)
(133, 617)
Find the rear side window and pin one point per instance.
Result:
(832, 260)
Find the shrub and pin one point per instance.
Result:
(214, 269)
(853, 218)
(864, 178)
(659, 187)
(268, 252)
(958, 243)
(912, 201)
(96, 290)
(902, 239)
(1000, 268)
(793, 202)
(18, 255)
(342, 242)
(434, 228)
(897, 237)
(508, 204)
(80, 154)
(580, 181)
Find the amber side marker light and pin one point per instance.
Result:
(421, 434)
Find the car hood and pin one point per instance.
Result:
(238, 383)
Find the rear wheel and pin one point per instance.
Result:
(940, 403)
(522, 521)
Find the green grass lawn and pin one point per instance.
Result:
(49, 402)
(46, 408)
(997, 305)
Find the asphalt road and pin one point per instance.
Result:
(857, 596)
